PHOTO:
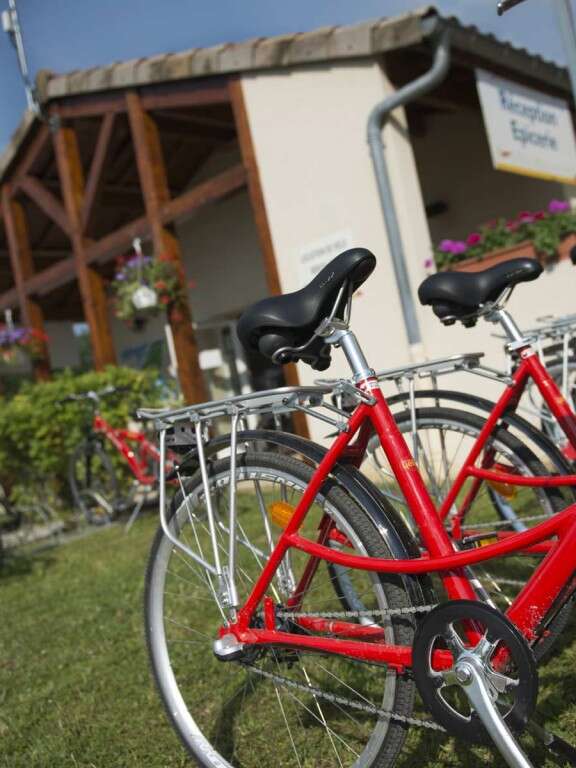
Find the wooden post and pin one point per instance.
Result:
(262, 225)
(154, 185)
(22, 269)
(91, 283)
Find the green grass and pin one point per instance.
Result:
(75, 689)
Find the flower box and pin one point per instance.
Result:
(524, 250)
(548, 235)
(566, 246)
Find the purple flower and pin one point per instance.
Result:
(428, 263)
(453, 246)
(558, 206)
(133, 261)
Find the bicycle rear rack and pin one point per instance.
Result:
(189, 426)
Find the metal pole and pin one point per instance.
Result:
(376, 121)
(11, 25)
(568, 32)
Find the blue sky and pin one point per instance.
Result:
(68, 34)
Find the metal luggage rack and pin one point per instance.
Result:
(188, 426)
(469, 363)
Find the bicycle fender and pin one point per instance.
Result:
(387, 520)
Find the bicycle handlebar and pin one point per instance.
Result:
(92, 395)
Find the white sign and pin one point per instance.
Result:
(210, 358)
(314, 256)
(529, 132)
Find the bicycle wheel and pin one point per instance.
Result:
(548, 423)
(93, 483)
(258, 711)
(444, 438)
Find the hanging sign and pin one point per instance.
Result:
(529, 132)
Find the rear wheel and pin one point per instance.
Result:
(272, 706)
(93, 483)
(444, 437)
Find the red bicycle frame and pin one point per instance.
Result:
(137, 456)
(550, 582)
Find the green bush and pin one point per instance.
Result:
(38, 434)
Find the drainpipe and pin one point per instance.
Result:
(376, 121)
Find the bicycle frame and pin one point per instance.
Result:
(550, 584)
(136, 459)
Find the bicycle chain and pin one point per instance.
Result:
(504, 523)
(356, 614)
(333, 698)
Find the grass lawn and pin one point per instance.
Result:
(74, 683)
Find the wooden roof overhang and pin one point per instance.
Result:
(194, 121)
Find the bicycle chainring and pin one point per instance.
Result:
(507, 660)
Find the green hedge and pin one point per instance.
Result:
(37, 434)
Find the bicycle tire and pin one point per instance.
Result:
(387, 739)
(522, 457)
(96, 498)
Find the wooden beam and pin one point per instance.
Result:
(23, 269)
(9, 300)
(31, 154)
(187, 94)
(46, 201)
(95, 175)
(91, 283)
(152, 173)
(204, 193)
(261, 218)
(89, 105)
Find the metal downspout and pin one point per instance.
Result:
(376, 121)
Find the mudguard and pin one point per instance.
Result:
(392, 528)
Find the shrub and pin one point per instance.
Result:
(38, 434)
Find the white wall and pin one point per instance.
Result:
(309, 131)
(64, 347)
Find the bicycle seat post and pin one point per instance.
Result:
(514, 335)
(337, 333)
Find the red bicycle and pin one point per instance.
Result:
(290, 612)
(93, 479)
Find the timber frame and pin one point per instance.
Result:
(60, 179)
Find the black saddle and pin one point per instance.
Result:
(290, 320)
(459, 295)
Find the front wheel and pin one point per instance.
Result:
(93, 483)
(272, 706)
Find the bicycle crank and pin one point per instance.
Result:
(492, 681)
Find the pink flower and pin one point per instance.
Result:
(526, 218)
(558, 206)
(428, 263)
(473, 239)
(512, 225)
(539, 215)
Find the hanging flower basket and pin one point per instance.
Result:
(18, 344)
(143, 287)
(546, 235)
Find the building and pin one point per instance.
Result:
(249, 164)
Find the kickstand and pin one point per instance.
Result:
(561, 751)
(134, 514)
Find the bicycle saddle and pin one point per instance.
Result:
(458, 295)
(291, 319)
